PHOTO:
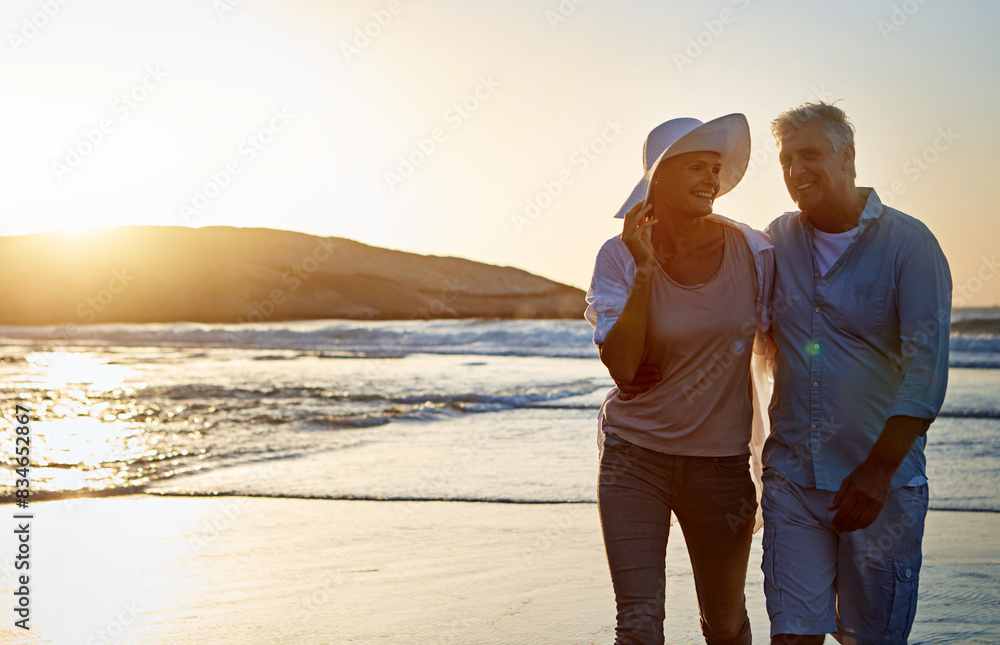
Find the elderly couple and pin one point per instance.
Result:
(848, 302)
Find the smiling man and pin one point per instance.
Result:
(861, 367)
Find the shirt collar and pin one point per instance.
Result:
(873, 205)
(871, 212)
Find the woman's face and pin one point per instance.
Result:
(687, 183)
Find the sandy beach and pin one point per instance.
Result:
(149, 569)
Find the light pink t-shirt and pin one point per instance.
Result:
(701, 337)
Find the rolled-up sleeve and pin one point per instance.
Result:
(609, 287)
(924, 300)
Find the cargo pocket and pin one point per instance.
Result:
(906, 570)
(772, 592)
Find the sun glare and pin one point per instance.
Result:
(62, 369)
(85, 442)
(82, 232)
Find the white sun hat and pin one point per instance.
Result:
(728, 135)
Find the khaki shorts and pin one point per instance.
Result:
(860, 586)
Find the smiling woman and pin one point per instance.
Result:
(679, 294)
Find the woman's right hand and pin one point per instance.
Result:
(636, 234)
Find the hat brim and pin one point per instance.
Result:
(728, 135)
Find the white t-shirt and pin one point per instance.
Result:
(828, 247)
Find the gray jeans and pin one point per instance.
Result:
(712, 498)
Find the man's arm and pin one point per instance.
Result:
(646, 376)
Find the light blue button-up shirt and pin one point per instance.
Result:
(864, 342)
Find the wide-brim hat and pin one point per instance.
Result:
(728, 135)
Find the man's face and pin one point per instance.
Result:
(815, 174)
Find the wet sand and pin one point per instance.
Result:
(152, 570)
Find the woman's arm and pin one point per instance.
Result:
(623, 349)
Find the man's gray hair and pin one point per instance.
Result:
(838, 127)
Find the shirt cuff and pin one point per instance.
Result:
(604, 324)
(915, 409)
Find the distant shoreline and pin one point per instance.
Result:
(228, 275)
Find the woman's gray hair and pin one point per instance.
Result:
(838, 127)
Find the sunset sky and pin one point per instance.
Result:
(506, 132)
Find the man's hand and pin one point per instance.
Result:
(646, 376)
(861, 497)
(863, 494)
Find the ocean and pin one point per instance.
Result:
(464, 410)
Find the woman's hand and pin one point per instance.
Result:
(636, 234)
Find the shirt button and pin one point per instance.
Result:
(819, 309)
(815, 345)
(816, 275)
(813, 426)
(909, 573)
(815, 383)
